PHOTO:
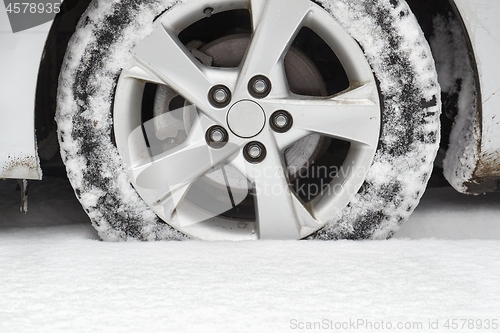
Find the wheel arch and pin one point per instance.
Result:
(62, 29)
(453, 118)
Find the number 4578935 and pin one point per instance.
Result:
(33, 8)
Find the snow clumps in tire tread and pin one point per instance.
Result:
(394, 46)
(402, 62)
(97, 52)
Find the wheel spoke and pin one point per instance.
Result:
(344, 117)
(164, 57)
(280, 214)
(172, 200)
(275, 25)
(257, 9)
(140, 73)
(184, 163)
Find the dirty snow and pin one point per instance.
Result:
(456, 77)
(56, 276)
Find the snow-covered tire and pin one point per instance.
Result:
(394, 47)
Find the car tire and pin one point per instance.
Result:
(382, 197)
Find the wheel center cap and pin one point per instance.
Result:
(246, 119)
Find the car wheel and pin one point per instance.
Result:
(248, 119)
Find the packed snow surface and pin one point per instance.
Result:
(56, 276)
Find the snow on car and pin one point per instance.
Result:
(242, 120)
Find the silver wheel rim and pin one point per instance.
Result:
(164, 180)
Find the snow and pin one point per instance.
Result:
(56, 276)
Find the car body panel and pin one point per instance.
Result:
(19, 63)
(483, 27)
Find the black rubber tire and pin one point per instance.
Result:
(395, 48)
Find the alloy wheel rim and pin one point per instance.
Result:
(165, 179)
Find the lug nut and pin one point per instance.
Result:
(259, 86)
(216, 137)
(281, 121)
(254, 152)
(219, 96)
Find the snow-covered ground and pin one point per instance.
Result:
(56, 276)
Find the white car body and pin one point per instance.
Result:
(19, 63)
(22, 51)
(479, 17)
